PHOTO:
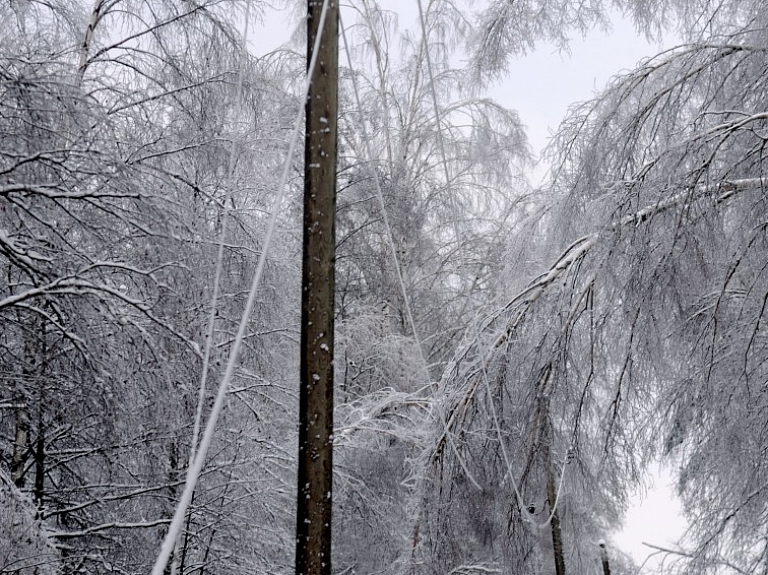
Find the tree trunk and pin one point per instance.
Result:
(557, 537)
(40, 452)
(604, 559)
(313, 518)
(20, 443)
(85, 47)
(552, 495)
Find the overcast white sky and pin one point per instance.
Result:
(541, 86)
(655, 517)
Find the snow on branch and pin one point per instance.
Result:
(521, 303)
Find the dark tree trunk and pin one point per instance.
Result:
(552, 495)
(40, 453)
(313, 529)
(604, 559)
(21, 448)
(557, 537)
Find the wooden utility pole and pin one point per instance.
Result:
(313, 516)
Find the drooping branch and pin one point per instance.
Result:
(462, 379)
(518, 307)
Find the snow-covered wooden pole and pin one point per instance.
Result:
(313, 516)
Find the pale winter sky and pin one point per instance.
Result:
(541, 86)
(654, 517)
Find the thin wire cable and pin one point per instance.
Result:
(441, 143)
(194, 471)
(228, 185)
(504, 453)
(446, 173)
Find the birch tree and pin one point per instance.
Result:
(555, 347)
(665, 172)
(690, 126)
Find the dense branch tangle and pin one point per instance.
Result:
(645, 336)
(681, 223)
(494, 348)
(112, 165)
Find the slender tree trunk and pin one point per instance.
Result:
(604, 559)
(557, 536)
(40, 452)
(20, 442)
(85, 47)
(185, 546)
(552, 495)
(175, 472)
(313, 518)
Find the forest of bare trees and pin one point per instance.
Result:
(508, 360)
